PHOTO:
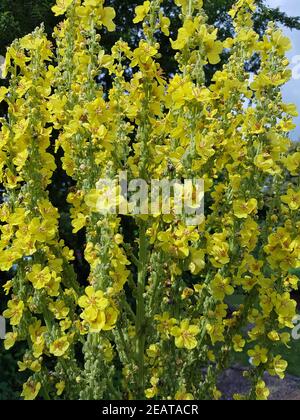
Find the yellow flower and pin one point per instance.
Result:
(242, 209)
(169, 243)
(8, 258)
(31, 389)
(184, 34)
(10, 340)
(107, 350)
(220, 311)
(79, 223)
(152, 392)
(199, 288)
(92, 302)
(59, 309)
(107, 16)
(216, 393)
(292, 282)
(211, 356)
(221, 287)
(96, 312)
(7, 286)
(183, 395)
(3, 93)
(14, 311)
(60, 387)
(274, 336)
(111, 316)
(141, 12)
(42, 231)
(166, 323)
(39, 277)
(185, 335)
(187, 293)
(292, 110)
(165, 25)
(216, 332)
(285, 338)
(239, 397)
(60, 346)
(37, 332)
(278, 367)
(97, 323)
(103, 200)
(180, 90)
(262, 392)
(119, 239)
(238, 343)
(185, 4)
(242, 3)
(292, 199)
(259, 355)
(31, 364)
(213, 48)
(220, 253)
(292, 162)
(152, 351)
(65, 324)
(286, 309)
(61, 7)
(92, 3)
(142, 55)
(281, 42)
(197, 263)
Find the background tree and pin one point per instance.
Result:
(20, 17)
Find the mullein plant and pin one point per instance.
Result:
(152, 321)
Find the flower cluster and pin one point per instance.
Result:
(155, 308)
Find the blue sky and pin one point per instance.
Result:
(292, 89)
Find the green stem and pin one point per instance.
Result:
(129, 310)
(190, 8)
(130, 356)
(140, 315)
(129, 250)
(114, 392)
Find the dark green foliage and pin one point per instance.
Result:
(10, 379)
(19, 17)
